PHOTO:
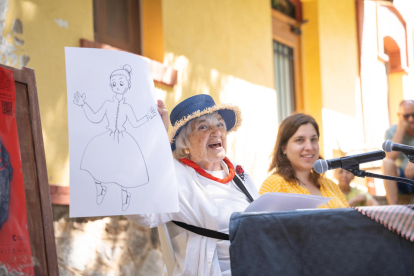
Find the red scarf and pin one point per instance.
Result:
(202, 172)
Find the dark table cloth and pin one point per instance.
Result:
(316, 242)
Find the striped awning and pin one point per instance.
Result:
(397, 218)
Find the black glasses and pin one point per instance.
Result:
(405, 116)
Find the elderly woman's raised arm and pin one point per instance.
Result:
(150, 220)
(163, 113)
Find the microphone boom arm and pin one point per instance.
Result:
(361, 173)
(410, 158)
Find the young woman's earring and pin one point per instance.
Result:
(186, 151)
(284, 153)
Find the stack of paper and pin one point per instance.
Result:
(271, 202)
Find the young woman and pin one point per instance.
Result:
(295, 152)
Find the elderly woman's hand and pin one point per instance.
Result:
(163, 113)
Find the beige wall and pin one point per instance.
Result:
(224, 48)
(311, 64)
(342, 114)
(152, 29)
(396, 94)
(381, 93)
(331, 73)
(48, 27)
(339, 54)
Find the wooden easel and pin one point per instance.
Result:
(38, 205)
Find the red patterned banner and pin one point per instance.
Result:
(15, 251)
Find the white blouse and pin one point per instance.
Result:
(229, 199)
(195, 254)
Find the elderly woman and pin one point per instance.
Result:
(295, 152)
(209, 190)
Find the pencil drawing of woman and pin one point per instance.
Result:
(115, 156)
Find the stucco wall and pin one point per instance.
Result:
(312, 91)
(339, 54)
(46, 28)
(355, 104)
(379, 91)
(224, 48)
(405, 8)
(396, 94)
(331, 75)
(342, 114)
(152, 30)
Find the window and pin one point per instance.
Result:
(285, 7)
(284, 79)
(117, 23)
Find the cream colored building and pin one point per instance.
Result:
(340, 52)
(348, 63)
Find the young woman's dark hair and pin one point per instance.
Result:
(280, 164)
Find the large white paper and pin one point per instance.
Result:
(272, 202)
(120, 157)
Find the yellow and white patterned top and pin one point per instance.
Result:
(276, 183)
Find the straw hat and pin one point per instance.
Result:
(198, 105)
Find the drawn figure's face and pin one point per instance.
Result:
(208, 141)
(119, 84)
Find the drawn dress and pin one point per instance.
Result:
(115, 156)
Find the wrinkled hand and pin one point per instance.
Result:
(163, 113)
(79, 99)
(151, 112)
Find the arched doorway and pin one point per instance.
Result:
(395, 74)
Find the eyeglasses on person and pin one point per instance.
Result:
(405, 116)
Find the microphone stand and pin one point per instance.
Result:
(361, 173)
(410, 157)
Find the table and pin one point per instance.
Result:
(316, 242)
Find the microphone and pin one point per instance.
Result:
(321, 166)
(391, 146)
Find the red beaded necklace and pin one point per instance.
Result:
(202, 172)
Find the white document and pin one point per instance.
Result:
(272, 202)
(120, 157)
